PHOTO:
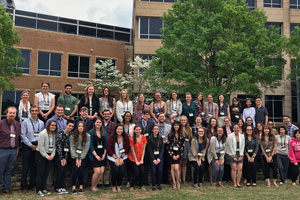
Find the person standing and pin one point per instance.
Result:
(45, 101)
(140, 107)
(294, 156)
(124, 104)
(223, 110)
(58, 117)
(249, 111)
(283, 142)
(174, 108)
(211, 108)
(235, 110)
(261, 112)
(10, 131)
(107, 123)
(69, 103)
(90, 101)
(107, 102)
(156, 107)
(84, 113)
(30, 129)
(289, 126)
(200, 106)
(62, 158)
(189, 109)
(45, 154)
(23, 107)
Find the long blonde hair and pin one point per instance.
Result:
(127, 98)
(187, 127)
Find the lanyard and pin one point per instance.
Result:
(8, 125)
(50, 140)
(283, 140)
(47, 98)
(34, 127)
(210, 108)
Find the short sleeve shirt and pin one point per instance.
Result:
(68, 102)
(138, 148)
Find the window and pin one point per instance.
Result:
(295, 4)
(274, 104)
(243, 98)
(107, 73)
(122, 37)
(150, 28)
(49, 64)
(79, 66)
(275, 25)
(46, 25)
(144, 57)
(9, 98)
(273, 62)
(251, 4)
(105, 34)
(66, 28)
(25, 54)
(25, 22)
(292, 27)
(272, 3)
(87, 31)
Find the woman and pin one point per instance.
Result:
(23, 107)
(249, 122)
(274, 130)
(189, 109)
(197, 125)
(200, 108)
(117, 151)
(235, 146)
(215, 156)
(268, 147)
(227, 128)
(259, 130)
(251, 150)
(156, 153)
(294, 156)
(128, 125)
(249, 111)
(235, 110)
(79, 144)
(140, 107)
(223, 110)
(107, 102)
(187, 132)
(97, 152)
(174, 108)
(45, 101)
(90, 101)
(136, 156)
(212, 128)
(241, 126)
(124, 104)
(157, 107)
(197, 153)
(283, 142)
(45, 153)
(176, 141)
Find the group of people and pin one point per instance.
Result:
(222, 140)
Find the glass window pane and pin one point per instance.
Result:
(73, 64)
(122, 37)
(26, 13)
(8, 99)
(155, 25)
(45, 25)
(71, 74)
(105, 34)
(25, 54)
(47, 17)
(66, 28)
(84, 64)
(144, 25)
(43, 72)
(67, 20)
(87, 23)
(83, 75)
(54, 73)
(55, 61)
(43, 60)
(25, 22)
(87, 31)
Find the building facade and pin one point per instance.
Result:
(284, 14)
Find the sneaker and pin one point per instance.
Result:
(46, 192)
(159, 187)
(64, 191)
(59, 191)
(153, 188)
(74, 191)
(40, 193)
(80, 191)
(281, 183)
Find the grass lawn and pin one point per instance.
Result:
(260, 192)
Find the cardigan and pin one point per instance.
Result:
(111, 144)
(95, 104)
(194, 150)
(43, 144)
(211, 153)
(170, 109)
(231, 144)
(75, 154)
(92, 149)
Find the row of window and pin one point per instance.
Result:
(50, 64)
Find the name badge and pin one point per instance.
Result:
(78, 151)
(122, 151)
(250, 150)
(202, 113)
(283, 148)
(163, 136)
(156, 153)
(186, 139)
(46, 106)
(222, 152)
(191, 115)
(68, 108)
(200, 154)
(237, 116)
(12, 135)
(66, 150)
(210, 115)
(23, 118)
(36, 134)
(146, 134)
(100, 146)
(238, 150)
(222, 113)
(175, 148)
(268, 150)
(50, 149)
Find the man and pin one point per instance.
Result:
(62, 156)
(211, 108)
(164, 130)
(289, 126)
(58, 117)
(261, 112)
(68, 102)
(30, 129)
(84, 112)
(147, 126)
(107, 123)
(10, 131)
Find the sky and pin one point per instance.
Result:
(111, 12)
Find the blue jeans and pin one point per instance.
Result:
(217, 171)
(8, 159)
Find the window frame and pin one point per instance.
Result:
(78, 67)
(49, 66)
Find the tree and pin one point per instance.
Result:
(9, 55)
(218, 46)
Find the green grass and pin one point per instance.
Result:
(187, 192)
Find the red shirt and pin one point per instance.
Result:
(138, 148)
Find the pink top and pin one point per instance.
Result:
(294, 150)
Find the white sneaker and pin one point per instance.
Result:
(281, 183)
(40, 193)
(64, 191)
(46, 192)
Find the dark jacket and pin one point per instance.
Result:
(111, 144)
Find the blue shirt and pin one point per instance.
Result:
(60, 123)
(28, 128)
